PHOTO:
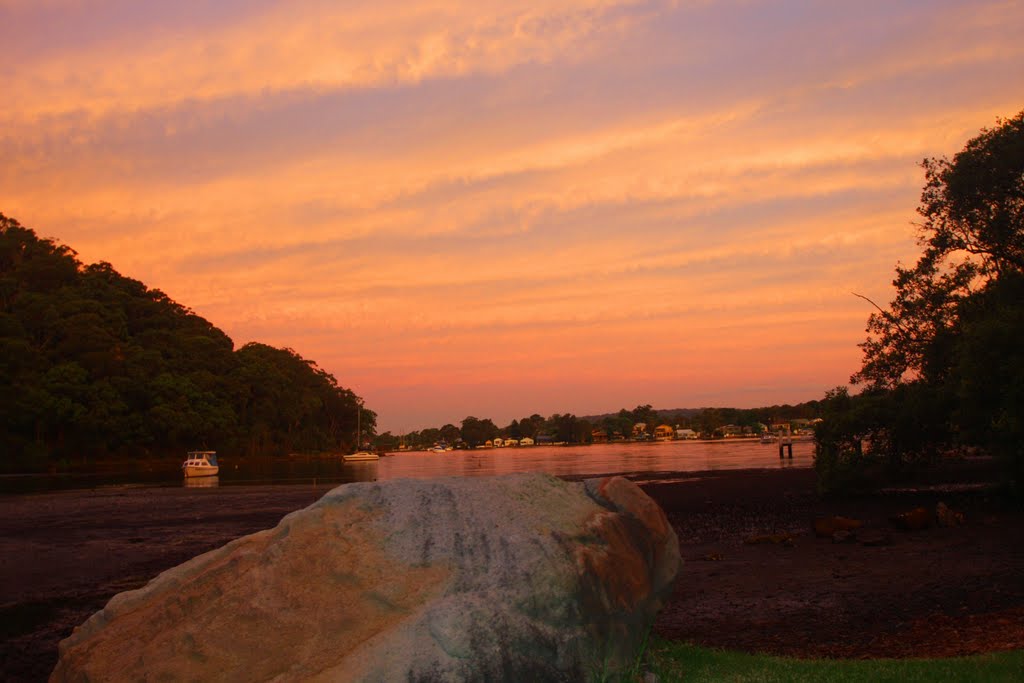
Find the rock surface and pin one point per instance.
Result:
(521, 577)
(828, 527)
(947, 517)
(913, 520)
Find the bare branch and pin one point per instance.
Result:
(886, 314)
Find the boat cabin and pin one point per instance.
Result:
(201, 458)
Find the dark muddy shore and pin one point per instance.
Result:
(884, 592)
(64, 555)
(935, 592)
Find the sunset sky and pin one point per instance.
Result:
(495, 208)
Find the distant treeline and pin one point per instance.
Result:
(567, 428)
(93, 363)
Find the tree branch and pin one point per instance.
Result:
(881, 310)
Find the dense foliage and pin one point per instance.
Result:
(95, 363)
(944, 364)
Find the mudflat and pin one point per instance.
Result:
(755, 576)
(63, 555)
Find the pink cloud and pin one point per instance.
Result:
(498, 209)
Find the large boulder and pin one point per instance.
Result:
(515, 578)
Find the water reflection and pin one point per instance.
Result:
(615, 458)
(361, 471)
(202, 482)
(620, 458)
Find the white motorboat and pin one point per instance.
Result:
(200, 464)
(361, 456)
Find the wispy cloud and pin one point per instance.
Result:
(316, 45)
(520, 206)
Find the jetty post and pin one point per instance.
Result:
(786, 444)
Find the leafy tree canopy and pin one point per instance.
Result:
(96, 363)
(943, 364)
(972, 208)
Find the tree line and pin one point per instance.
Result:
(943, 363)
(568, 428)
(94, 363)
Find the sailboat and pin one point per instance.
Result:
(359, 456)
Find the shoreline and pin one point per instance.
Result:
(95, 543)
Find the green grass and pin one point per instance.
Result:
(680, 662)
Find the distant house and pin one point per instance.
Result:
(731, 431)
(639, 429)
(664, 433)
(803, 426)
(599, 436)
(526, 441)
(686, 434)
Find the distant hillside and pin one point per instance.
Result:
(93, 363)
(669, 414)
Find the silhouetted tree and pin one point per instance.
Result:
(942, 364)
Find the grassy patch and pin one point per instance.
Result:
(680, 662)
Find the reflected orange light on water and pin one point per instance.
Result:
(616, 458)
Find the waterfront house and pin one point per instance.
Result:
(664, 432)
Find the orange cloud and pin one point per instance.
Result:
(528, 207)
(312, 45)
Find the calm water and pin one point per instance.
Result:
(623, 458)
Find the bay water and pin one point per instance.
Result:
(646, 458)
